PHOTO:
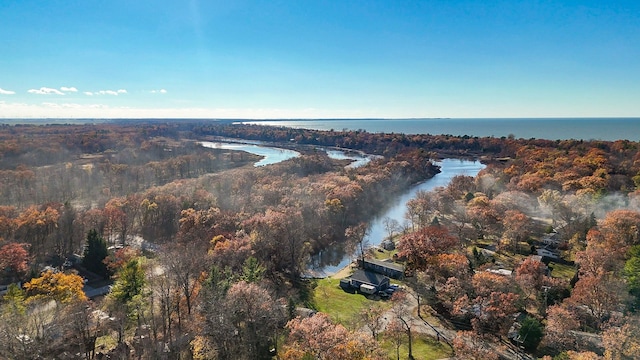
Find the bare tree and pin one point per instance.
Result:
(372, 317)
(357, 235)
(395, 334)
(402, 311)
(184, 264)
(83, 325)
(391, 226)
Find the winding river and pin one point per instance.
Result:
(274, 155)
(332, 260)
(271, 155)
(336, 258)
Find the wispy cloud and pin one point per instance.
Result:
(161, 91)
(6, 92)
(107, 92)
(45, 91)
(73, 106)
(68, 89)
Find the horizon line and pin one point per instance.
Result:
(3, 119)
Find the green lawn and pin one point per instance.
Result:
(106, 343)
(424, 347)
(562, 271)
(340, 305)
(384, 254)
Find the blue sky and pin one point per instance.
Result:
(319, 59)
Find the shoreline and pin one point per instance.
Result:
(339, 274)
(344, 272)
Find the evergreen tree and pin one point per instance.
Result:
(130, 283)
(252, 271)
(94, 254)
(631, 273)
(531, 333)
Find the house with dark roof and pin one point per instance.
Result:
(551, 239)
(370, 280)
(548, 252)
(390, 269)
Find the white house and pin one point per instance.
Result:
(546, 251)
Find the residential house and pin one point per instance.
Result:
(551, 239)
(370, 280)
(390, 269)
(548, 252)
(503, 272)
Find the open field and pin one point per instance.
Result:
(340, 305)
(562, 271)
(424, 347)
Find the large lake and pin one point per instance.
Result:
(609, 129)
(334, 259)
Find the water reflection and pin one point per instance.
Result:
(331, 260)
(272, 155)
(359, 159)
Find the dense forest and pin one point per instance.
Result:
(201, 255)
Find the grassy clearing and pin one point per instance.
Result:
(383, 254)
(562, 271)
(428, 316)
(106, 343)
(424, 347)
(340, 305)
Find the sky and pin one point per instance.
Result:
(319, 59)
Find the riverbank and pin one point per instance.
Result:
(333, 260)
(395, 211)
(344, 272)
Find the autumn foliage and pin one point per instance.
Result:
(14, 260)
(319, 338)
(213, 248)
(58, 286)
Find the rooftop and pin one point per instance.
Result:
(368, 277)
(390, 265)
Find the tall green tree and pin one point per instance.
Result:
(631, 273)
(127, 300)
(531, 333)
(252, 271)
(94, 254)
(130, 283)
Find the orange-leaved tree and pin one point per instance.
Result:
(14, 259)
(64, 288)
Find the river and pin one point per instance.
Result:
(274, 155)
(336, 258)
(332, 260)
(271, 155)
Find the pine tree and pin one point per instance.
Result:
(94, 254)
(130, 283)
(252, 271)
